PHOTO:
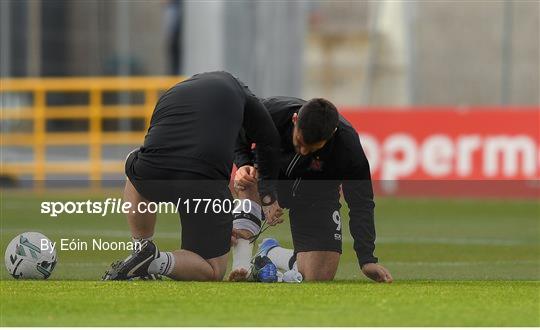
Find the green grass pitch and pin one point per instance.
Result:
(455, 263)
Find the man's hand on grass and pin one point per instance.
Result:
(377, 273)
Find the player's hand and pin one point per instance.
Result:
(240, 233)
(244, 177)
(377, 273)
(273, 213)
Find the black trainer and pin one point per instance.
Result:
(136, 265)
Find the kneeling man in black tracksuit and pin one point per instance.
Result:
(186, 161)
(320, 153)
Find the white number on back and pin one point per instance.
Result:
(337, 219)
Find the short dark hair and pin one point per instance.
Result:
(317, 120)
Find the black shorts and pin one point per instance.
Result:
(204, 232)
(316, 227)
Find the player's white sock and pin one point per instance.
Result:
(282, 258)
(242, 252)
(163, 265)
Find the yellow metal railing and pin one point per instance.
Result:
(95, 111)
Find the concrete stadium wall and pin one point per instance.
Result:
(459, 52)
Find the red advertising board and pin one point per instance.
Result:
(452, 144)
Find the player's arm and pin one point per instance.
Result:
(358, 193)
(260, 128)
(244, 161)
(243, 154)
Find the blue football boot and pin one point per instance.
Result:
(264, 270)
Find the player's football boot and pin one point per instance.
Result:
(264, 270)
(266, 245)
(136, 265)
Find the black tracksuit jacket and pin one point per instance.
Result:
(316, 178)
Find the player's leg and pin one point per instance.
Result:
(283, 258)
(205, 260)
(245, 226)
(318, 265)
(142, 229)
(190, 266)
(187, 265)
(141, 224)
(313, 265)
(206, 237)
(316, 233)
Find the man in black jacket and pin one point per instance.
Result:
(320, 152)
(187, 156)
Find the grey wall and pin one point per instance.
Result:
(260, 42)
(459, 52)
